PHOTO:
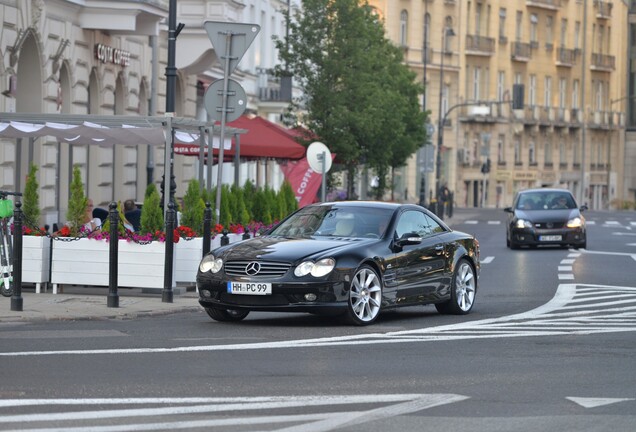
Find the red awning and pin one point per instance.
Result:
(263, 139)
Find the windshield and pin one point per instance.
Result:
(546, 201)
(363, 222)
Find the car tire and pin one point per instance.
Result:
(463, 290)
(365, 297)
(226, 315)
(513, 244)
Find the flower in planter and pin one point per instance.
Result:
(38, 232)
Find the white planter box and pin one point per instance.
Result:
(189, 253)
(36, 254)
(85, 262)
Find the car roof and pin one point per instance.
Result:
(560, 190)
(353, 204)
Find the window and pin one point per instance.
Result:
(501, 85)
(478, 8)
(501, 149)
(547, 92)
(577, 34)
(427, 37)
(562, 155)
(517, 151)
(534, 22)
(445, 95)
(563, 88)
(564, 32)
(532, 91)
(476, 81)
(532, 156)
(502, 23)
(598, 92)
(417, 222)
(547, 159)
(519, 26)
(404, 18)
(575, 94)
(549, 31)
(576, 156)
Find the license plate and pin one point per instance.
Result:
(249, 288)
(550, 238)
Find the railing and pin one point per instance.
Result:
(521, 51)
(565, 57)
(480, 44)
(603, 9)
(603, 62)
(546, 4)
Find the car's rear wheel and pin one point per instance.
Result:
(463, 290)
(365, 297)
(226, 315)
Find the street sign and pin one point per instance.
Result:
(233, 37)
(236, 100)
(318, 155)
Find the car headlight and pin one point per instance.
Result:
(522, 223)
(316, 269)
(211, 263)
(576, 222)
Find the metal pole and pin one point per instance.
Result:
(440, 128)
(323, 192)
(423, 172)
(16, 299)
(226, 82)
(207, 226)
(113, 218)
(167, 294)
(583, 196)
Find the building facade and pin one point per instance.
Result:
(87, 58)
(570, 56)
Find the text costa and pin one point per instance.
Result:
(107, 54)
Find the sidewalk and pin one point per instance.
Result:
(91, 303)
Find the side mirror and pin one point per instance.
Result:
(508, 210)
(583, 208)
(409, 239)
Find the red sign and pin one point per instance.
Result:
(305, 182)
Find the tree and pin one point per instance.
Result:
(77, 203)
(357, 92)
(193, 207)
(151, 213)
(31, 198)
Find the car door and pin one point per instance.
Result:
(421, 266)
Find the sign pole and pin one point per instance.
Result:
(219, 171)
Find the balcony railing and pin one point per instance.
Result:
(565, 57)
(603, 9)
(480, 45)
(521, 51)
(544, 4)
(603, 62)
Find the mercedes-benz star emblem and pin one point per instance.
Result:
(252, 268)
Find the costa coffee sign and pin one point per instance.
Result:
(107, 54)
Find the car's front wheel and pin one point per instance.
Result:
(365, 297)
(226, 315)
(463, 290)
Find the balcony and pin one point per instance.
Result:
(606, 120)
(603, 62)
(274, 89)
(521, 51)
(479, 45)
(565, 57)
(552, 5)
(603, 9)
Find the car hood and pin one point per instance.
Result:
(553, 215)
(285, 249)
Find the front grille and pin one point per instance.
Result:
(549, 225)
(268, 269)
(254, 300)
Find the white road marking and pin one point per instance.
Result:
(623, 234)
(612, 223)
(596, 402)
(565, 314)
(566, 276)
(471, 222)
(329, 419)
(494, 222)
(589, 222)
(487, 260)
(567, 261)
(565, 268)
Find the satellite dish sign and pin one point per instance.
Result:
(315, 154)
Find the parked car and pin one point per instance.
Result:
(355, 258)
(545, 217)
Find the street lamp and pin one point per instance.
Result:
(447, 31)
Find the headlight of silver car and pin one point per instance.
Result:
(522, 223)
(316, 269)
(211, 263)
(576, 222)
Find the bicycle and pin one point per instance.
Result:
(6, 243)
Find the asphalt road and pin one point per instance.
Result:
(550, 345)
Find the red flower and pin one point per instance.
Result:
(64, 232)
